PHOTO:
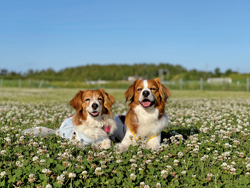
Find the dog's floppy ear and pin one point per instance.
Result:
(109, 100)
(76, 102)
(164, 92)
(129, 94)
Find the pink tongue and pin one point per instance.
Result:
(94, 113)
(146, 104)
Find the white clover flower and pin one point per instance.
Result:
(142, 184)
(166, 157)
(42, 161)
(204, 158)
(35, 144)
(175, 162)
(46, 171)
(224, 165)
(7, 139)
(31, 178)
(19, 164)
(132, 176)
(227, 145)
(98, 171)
(3, 152)
(84, 173)
(118, 161)
(21, 138)
(180, 154)
(241, 154)
(233, 171)
(233, 163)
(132, 160)
(72, 175)
(164, 173)
(65, 172)
(169, 168)
(215, 152)
(3, 174)
(183, 172)
(210, 175)
(133, 166)
(48, 186)
(248, 166)
(158, 185)
(60, 179)
(35, 159)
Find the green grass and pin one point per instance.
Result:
(207, 143)
(25, 95)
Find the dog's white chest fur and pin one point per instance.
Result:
(149, 122)
(94, 127)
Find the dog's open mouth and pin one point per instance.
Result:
(147, 103)
(94, 114)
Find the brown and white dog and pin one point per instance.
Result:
(146, 117)
(92, 122)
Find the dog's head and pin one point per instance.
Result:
(92, 102)
(148, 94)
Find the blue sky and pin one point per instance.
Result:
(41, 34)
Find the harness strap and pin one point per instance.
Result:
(153, 137)
(147, 140)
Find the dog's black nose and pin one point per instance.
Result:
(94, 106)
(145, 93)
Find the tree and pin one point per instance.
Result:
(228, 72)
(217, 72)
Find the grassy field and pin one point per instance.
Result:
(204, 144)
(25, 95)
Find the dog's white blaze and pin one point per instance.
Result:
(151, 96)
(145, 83)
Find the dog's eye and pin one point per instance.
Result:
(152, 89)
(99, 99)
(139, 89)
(87, 100)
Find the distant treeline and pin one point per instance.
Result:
(118, 72)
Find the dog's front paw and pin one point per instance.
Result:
(121, 147)
(106, 144)
(153, 146)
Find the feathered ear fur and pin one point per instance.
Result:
(164, 92)
(129, 94)
(76, 102)
(109, 100)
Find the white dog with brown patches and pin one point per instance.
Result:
(92, 123)
(146, 117)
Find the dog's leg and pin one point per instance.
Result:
(127, 141)
(154, 143)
